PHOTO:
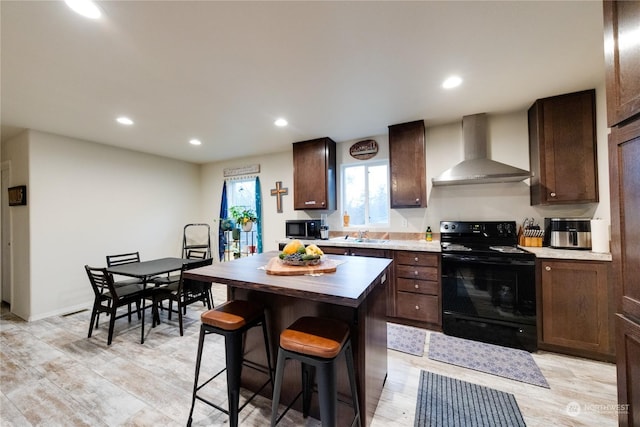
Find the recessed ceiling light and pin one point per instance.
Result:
(124, 121)
(86, 8)
(451, 82)
(195, 142)
(281, 123)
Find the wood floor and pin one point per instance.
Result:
(52, 375)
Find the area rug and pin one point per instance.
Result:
(406, 339)
(447, 402)
(493, 359)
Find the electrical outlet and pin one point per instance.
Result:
(405, 223)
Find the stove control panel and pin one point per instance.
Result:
(479, 228)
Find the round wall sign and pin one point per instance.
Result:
(363, 150)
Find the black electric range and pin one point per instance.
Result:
(488, 284)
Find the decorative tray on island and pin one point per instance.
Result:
(296, 259)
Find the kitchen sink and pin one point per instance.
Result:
(357, 240)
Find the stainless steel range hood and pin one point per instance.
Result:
(476, 168)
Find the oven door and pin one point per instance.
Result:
(490, 298)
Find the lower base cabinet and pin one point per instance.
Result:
(575, 315)
(415, 297)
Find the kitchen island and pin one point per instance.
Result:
(355, 293)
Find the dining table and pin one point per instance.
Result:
(147, 270)
(354, 292)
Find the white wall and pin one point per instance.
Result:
(88, 200)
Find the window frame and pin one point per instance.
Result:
(367, 164)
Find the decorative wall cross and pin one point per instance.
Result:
(279, 192)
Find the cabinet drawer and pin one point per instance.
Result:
(335, 250)
(369, 252)
(418, 286)
(425, 308)
(416, 258)
(417, 272)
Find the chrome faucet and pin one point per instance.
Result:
(362, 234)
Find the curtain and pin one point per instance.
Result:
(259, 214)
(223, 215)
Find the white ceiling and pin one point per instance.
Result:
(224, 71)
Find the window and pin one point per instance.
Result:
(365, 193)
(241, 192)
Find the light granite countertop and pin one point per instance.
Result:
(400, 245)
(573, 254)
(434, 246)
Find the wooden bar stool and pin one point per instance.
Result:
(316, 342)
(231, 319)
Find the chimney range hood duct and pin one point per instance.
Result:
(476, 168)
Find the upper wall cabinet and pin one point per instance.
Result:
(622, 60)
(314, 174)
(407, 165)
(562, 149)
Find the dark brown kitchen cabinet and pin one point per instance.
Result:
(355, 251)
(575, 308)
(623, 85)
(562, 149)
(407, 165)
(314, 174)
(416, 289)
(622, 70)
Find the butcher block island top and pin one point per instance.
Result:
(349, 285)
(355, 293)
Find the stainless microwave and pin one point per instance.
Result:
(302, 229)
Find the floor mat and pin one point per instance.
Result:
(493, 359)
(406, 339)
(447, 402)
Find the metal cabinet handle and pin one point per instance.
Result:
(547, 268)
(417, 286)
(346, 252)
(417, 201)
(417, 307)
(415, 273)
(416, 259)
(553, 194)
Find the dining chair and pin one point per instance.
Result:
(177, 292)
(120, 259)
(191, 287)
(108, 298)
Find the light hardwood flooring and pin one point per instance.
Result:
(51, 374)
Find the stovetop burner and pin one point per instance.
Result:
(454, 247)
(486, 238)
(507, 249)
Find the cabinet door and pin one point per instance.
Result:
(407, 165)
(575, 305)
(624, 166)
(314, 174)
(562, 138)
(628, 351)
(622, 60)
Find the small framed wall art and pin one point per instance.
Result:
(18, 195)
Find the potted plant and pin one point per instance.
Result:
(244, 217)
